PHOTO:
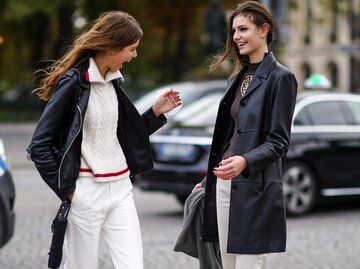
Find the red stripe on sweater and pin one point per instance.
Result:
(88, 170)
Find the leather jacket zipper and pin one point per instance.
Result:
(66, 151)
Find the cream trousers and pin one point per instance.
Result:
(107, 210)
(229, 260)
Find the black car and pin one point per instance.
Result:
(323, 159)
(7, 198)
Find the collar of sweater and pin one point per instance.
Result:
(95, 76)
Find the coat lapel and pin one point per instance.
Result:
(261, 73)
(254, 84)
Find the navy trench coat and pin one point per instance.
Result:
(257, 221)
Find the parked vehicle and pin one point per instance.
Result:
(7, 198)
(322, 160)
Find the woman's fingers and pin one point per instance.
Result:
(224, 174)
(170, 92)
(173, 98)
(172, 104)
(225, 170)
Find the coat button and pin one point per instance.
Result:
(234, 187)
(242, 103)
(218, 129)
(239, 130)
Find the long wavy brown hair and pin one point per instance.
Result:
(112, 30)
(258, 14)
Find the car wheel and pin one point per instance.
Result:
(300, 188)
(181, 198)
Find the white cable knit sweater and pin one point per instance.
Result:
(101, 154)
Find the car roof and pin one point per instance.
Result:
(325, 94)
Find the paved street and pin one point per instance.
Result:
(327, 239)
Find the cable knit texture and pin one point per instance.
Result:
(101, 153)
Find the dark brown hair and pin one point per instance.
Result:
(258, 15)
(112, 30)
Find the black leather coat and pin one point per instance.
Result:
(56, 143)
(257, 214)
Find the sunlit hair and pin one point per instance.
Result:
(112, 30)
(258, 15)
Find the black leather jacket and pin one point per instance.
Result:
(56, 143)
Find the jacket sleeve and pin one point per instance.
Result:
(152, 122)
(44, 149)
(277, 140)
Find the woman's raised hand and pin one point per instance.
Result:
(167, 101)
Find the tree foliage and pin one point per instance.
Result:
(37, 31)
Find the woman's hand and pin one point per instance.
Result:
(197, 187)
(230, 167)
(167, 101)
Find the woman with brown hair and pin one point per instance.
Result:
(90, 140)
(244, 205)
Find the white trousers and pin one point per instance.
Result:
(104, 209)
(230, 260)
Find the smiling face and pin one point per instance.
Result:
(118, 57)
(249, 38)
(113, 60)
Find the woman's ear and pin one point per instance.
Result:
(265, 28)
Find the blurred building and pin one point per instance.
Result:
(320, 37)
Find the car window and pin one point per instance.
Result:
(355, 110)
(326, 113)
(302, 118)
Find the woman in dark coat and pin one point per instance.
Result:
(244, 205)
